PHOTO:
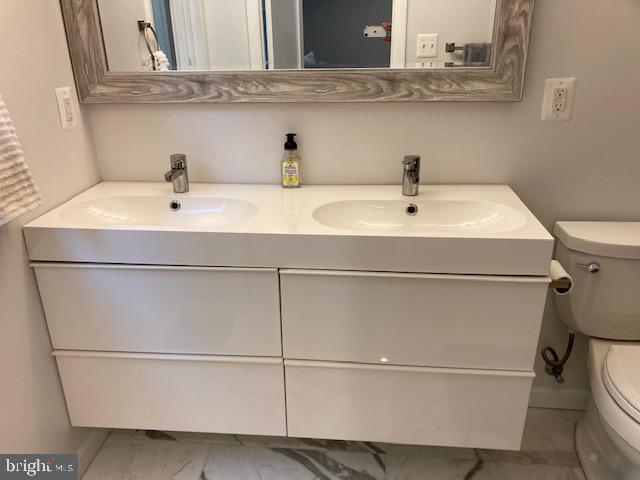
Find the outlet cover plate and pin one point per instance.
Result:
(66, 108)
(559, 98)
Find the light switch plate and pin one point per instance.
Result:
(375, 31)
(66, 108)
(427, 45)
(559, 98)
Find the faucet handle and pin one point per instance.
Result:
(411, 162)
(178, 160)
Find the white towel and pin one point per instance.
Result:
(18, 193)
(161, 61)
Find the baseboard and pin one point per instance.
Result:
(560, 398)
(89, 449)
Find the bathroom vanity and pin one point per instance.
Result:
(326, 312)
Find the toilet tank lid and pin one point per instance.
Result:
(608, 239)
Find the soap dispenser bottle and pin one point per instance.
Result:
(290, 165)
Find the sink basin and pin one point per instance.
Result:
(420, 216)
(457, 229)
(138, 210)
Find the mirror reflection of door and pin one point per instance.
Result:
(215, 34)
(283, 34)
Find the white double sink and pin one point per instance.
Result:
(432, 215)
(446, 229)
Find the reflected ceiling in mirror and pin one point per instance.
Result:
(230, 35)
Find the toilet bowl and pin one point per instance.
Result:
(604, 304)
(608, 439)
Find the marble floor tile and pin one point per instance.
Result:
(422, 468)
(352, 446)
(120, 432)
(213, 438)
(547, 454)
(579, 473)
(510, 471)
(210, 438)
(558, 459)
(304, 443)
(259, 463)
(550, 430)
(129, 458)
(423, 451)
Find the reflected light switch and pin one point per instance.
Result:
(427, 45)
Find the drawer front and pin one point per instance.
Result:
(220, 311)
(412, 405)
(189, 393)
(412, 319)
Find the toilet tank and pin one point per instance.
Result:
(606, 303)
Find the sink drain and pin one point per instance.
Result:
(412, 210)
(174, 205)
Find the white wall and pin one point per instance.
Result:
(456, 21)
(124, 44)
(588, 168)
(33, 416)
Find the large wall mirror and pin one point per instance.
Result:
(154, 51)
(222, 35)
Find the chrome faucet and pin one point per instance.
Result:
(178, 173)
(411, 175)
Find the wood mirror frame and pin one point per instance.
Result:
(503, 81)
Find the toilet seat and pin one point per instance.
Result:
(621, 377)
(613, 414)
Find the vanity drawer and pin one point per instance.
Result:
(411, 405)
(221, 311)
(190, 393)
(465, 321)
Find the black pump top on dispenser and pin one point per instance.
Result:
(291, 143)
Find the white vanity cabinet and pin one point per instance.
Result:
(379, 356)
(461, 321)
(191, 393)
(177, 310)
(167, 348)
(368, 325)
(413, 405)
(410, 358)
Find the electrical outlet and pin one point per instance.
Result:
(66, 108)
(427, 45)
(559, 95)
(425, 64)
(560, 99)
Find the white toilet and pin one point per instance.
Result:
(604, 260)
